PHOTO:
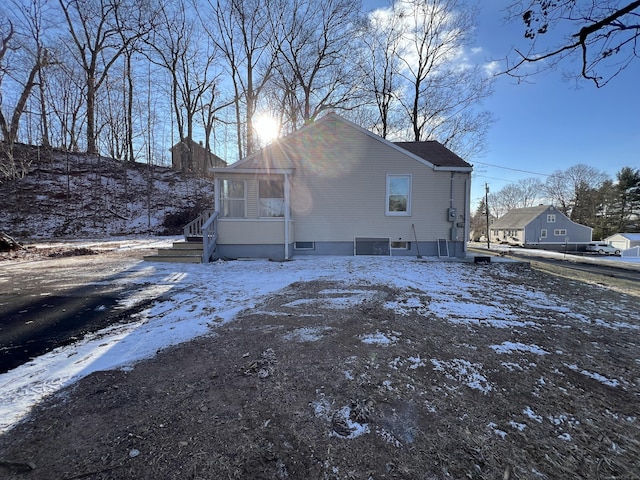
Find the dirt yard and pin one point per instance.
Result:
(332, 381)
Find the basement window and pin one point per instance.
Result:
(304, 245)
(372, 246)
(399, 245)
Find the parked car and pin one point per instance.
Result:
(603, 249)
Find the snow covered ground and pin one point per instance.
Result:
(191, 300)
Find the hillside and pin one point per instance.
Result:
(74, 195)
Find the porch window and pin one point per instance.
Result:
(271, 194)
(233, 198)
(398, 195)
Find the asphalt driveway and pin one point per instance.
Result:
(47, 303)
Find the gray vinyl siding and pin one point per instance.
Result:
(340, 194)
(349, 197)
(574, 231)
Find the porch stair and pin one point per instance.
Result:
(199, 245)
(188, 251)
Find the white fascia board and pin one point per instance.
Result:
(280, 171)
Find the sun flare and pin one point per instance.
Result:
(267, 128)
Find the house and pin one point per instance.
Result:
(334, 188)
(624, 241)
(543, 226)
(191, 156)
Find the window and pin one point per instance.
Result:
(271, 194)
(398, 195)
(399, 245)
(232, 198)
(560, 232)
(551, 218)
(304, 245)
(543, 233)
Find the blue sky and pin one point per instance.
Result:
(550, 124)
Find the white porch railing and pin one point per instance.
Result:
(205, 226)
(209, 237)
(194, 228)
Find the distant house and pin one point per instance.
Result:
(335, 188)
(543, 226)
(192, 157)
(624, 241)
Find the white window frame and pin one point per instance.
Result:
(560, 232)
(399, 245)
(551, 218)
(262, 213)
(388, 212)
(543, 233)
(224, 199)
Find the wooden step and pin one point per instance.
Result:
(173, 258)
(188, 245)
(180, 252)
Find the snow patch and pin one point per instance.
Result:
(510, 347)
(464, 372)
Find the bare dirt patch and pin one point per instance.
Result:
(333, 381)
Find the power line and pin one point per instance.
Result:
(492, 178)
(514, 169)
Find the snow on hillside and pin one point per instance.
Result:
(69, 195)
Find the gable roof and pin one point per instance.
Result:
(434, 152)
(431, 154)
(212, 158)
(520, 217)
(634, 237)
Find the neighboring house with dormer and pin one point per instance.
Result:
(543, 226)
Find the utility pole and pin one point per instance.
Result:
(486, 209)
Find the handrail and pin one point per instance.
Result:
(209, 237)
(194, 228)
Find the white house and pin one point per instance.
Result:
(334, 188)
(624, 241)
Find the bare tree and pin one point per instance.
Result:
(441, 92)
(569, 190)
(602, 35)
(381, 36)
(314, 41)
(33, 59)
(189, 56)
(241, 30)
(64, 98)
(101, 31)
(526, 192)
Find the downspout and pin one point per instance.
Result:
(287, 215)
(453, 220)
(467, 213)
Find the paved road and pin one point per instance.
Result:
(625, 277)
(49, 303)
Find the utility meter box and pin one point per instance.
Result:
(452, 213)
